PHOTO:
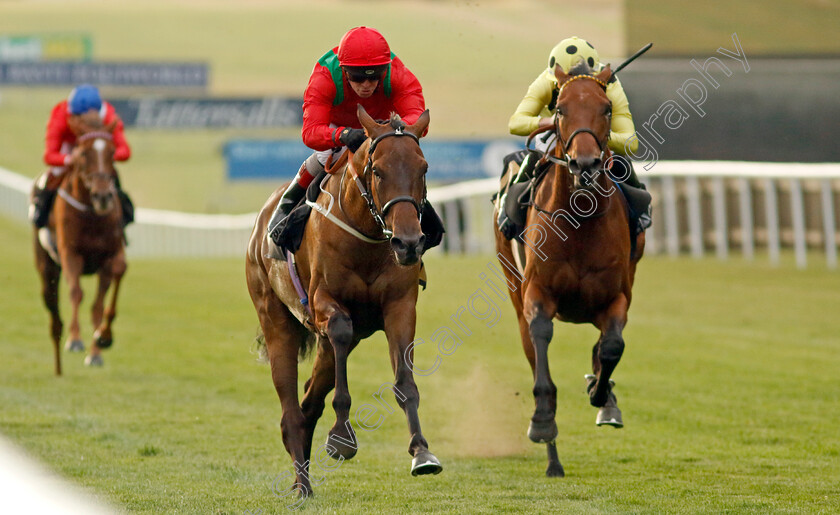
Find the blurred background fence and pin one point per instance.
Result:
(699, 207)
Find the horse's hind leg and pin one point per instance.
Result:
(605, 357)
(400, 318)
(283, 338)
(316, 389)
(50, 274)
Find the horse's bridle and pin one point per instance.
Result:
(564, 145)
(99, 173)
(379, 216)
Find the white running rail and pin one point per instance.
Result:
(699, 207)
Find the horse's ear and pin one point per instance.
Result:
(367, 122)
(420, 125)
(560, 74)
(76, 125)
(605, 75)
(113, 125)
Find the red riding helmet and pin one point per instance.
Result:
(363, 47)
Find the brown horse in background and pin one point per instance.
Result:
(359, 279)
(576, 264)
(87, 223)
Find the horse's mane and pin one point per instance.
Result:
(581, 68)
(396, 122)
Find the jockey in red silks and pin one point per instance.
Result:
(360, 70)
(60, 143)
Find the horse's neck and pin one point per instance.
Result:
(555, 195)
(556, 191)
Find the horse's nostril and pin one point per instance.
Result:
(397, 244)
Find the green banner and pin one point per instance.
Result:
(46, 47)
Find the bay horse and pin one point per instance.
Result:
(358, 265)
(87, 223)
(574, 260)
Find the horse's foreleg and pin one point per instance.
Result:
(539, 312)
(555, 469)
(103, 336)
(333, 320)
(400, 319)
(72, 266)
(98, 307)
(605, 357)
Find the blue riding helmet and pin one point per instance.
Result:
(84, 98)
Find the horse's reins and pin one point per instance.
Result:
(64, 193)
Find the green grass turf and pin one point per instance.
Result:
(728, 386)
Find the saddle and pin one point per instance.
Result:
(291, 228)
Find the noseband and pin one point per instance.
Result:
(379, 216)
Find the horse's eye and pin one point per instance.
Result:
(608, 110)
(559, 111)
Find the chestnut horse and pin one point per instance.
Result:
(576, 263)
(359, 266)
(87, 224)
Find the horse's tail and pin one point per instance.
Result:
(259, 348)
(304, 351)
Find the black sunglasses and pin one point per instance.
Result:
(364, 74)
(362, 77)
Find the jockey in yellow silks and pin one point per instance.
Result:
(536, 110)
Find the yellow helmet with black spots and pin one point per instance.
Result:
(572, 50)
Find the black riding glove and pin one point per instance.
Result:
(353, 138)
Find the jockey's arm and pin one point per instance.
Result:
(533, 107)
(622, 127)
(56, 127)
(317, 109)
(121, 149)
(407, 95)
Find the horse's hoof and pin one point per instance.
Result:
(609, 415)
(94, 361)
(74, 346)
(425, 463)
(102, 343)
(542, 432)
(338, 450)
(555, 470)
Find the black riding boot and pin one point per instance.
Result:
(41, 206)
(622, 171)
(288, 201)
(506, 226)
